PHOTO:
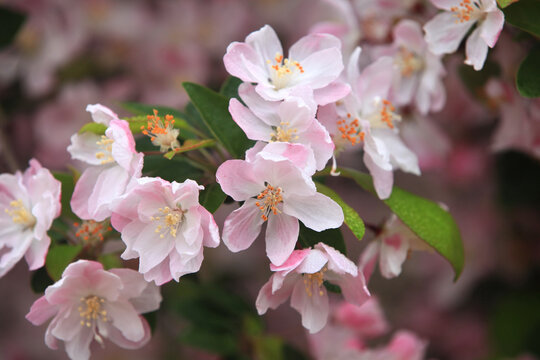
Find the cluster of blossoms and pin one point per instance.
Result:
(303, 111)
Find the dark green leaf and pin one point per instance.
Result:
(177, 169)
(68, 185)
(214, 110)
(505, 3)
(332, 287)
(424, 217)
(59, 257)
(528, 75)
(215, 342)
(110, 261)
(230, 87)
(189, 145)
(151, 318)
(524, 14)
(212, 197)
(352, 219)
(194, 119)
(96, 128)
(40, 280)
(10, 23)
(291, 353)
(332, 237)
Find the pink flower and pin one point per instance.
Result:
(367, 320)
(276, 190)
(314, 62)
(89, 302)
(29, 203)
(114, 164)
(391, 247)
(291, 120)
(405, 345)
(446, 30)
(417, 71)
(164, 225)
(301, 278)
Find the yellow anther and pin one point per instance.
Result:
(162, 133)
(315, 279)
(105, 145)
(170, 221)
(283, 133)
(408, 62)
(283, 69)
(19, 214)
(270, 198)
(91, 310)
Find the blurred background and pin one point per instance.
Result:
(479, 156)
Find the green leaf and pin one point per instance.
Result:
(424, 217)
(40, 280)
(110, 261)
(68, 185)
(268, 348)
(230, 87)
(332, 237)
(213, 108)
(189, 145)
(352, 219)
(59, 257)
(215, 342)
(212, 197)
(524, 14)
(177, 169)
(93, 127)
(10, 23)
(528, 75)
(505, 3)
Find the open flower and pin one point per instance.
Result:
(29, 203)
(314, 62)
(291, 120)
(114, 163)
(89, 302)
(164, 225)
(301, 278)
(446, 30)
(274, 190)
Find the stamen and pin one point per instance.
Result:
(349, 130)
(283, 69)
(91, 231)
(314, 279)
(283, 133)
(19, 214)
(408, 62)
(91, 310)
(170, 221)
(465, 11)
(106, 145)
(162, 134)
(270, 198)
(384, 116)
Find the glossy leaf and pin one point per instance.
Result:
(332, 237)
(213, 108)
(212, 197)
(177, 169)
(505, 3)
(68, 185)
(528, 75)
(230, 87)
(189, 145)
(425, 218)
(96, 128)
(59, 257)
(352, 219)
(524, 14)
(110, 261)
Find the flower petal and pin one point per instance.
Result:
(281, 236)
(476, 50)
(317, 212)
(313, 309)
(444, 34)
(242, 226)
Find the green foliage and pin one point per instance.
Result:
(212, 197)
(93, 127)
(59, 257)
(352, 219)
(332, 237)
(10, 23)
(425, 218)
(213, 108)
(505, 3)
(528, 75)
(40, 280)
(230, 87)
(177, 169)
(524, 14)
(110, 261)
(68, 185)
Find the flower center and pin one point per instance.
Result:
(408, 61)
(283, 71)
(91, 309)
(384, 115)
(105, 155)
(170, 220)
(19, 214)
(283, 133)
(465, 10)
(269, 200)
(91, 231)
(315, 280)
(162, 134)
(349, 130)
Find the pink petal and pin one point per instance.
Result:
(394, 251)
(265, 110)
(266, 44)
(313, 309)
(444, 34)
(313, 263)
(408, 33)
(337, 262)
(294, 260)
(41, 311)
(83, 147)
(320, 142)
(312, 43)
(331, 93)
(476, 50)
(354, 288)
(367, 320)
(37, 252)
(272, 298)
(210, 228)
(383, 180)
(126, 319)
(151, 248)
(254, 128)
(119, 339)
(237, 179)
(101, 114)
(160, 273)
(321, 68)
(317, 212)
(242, 226)
(491, 27)
(79, 347)
(445, 4)
(368, 259)
(374, 82)
(242, 61)
(281, 236)
(405, 345)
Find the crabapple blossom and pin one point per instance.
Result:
(314, 63)
(446, 30)
(114, 163)
(291, 120)
(301, 278)
(418, 72)
(367, 116)
(89, 302)
(299, 154)
(391, 247)
(29, 202)
(366, 320)
(276, 190)
(164, 225)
